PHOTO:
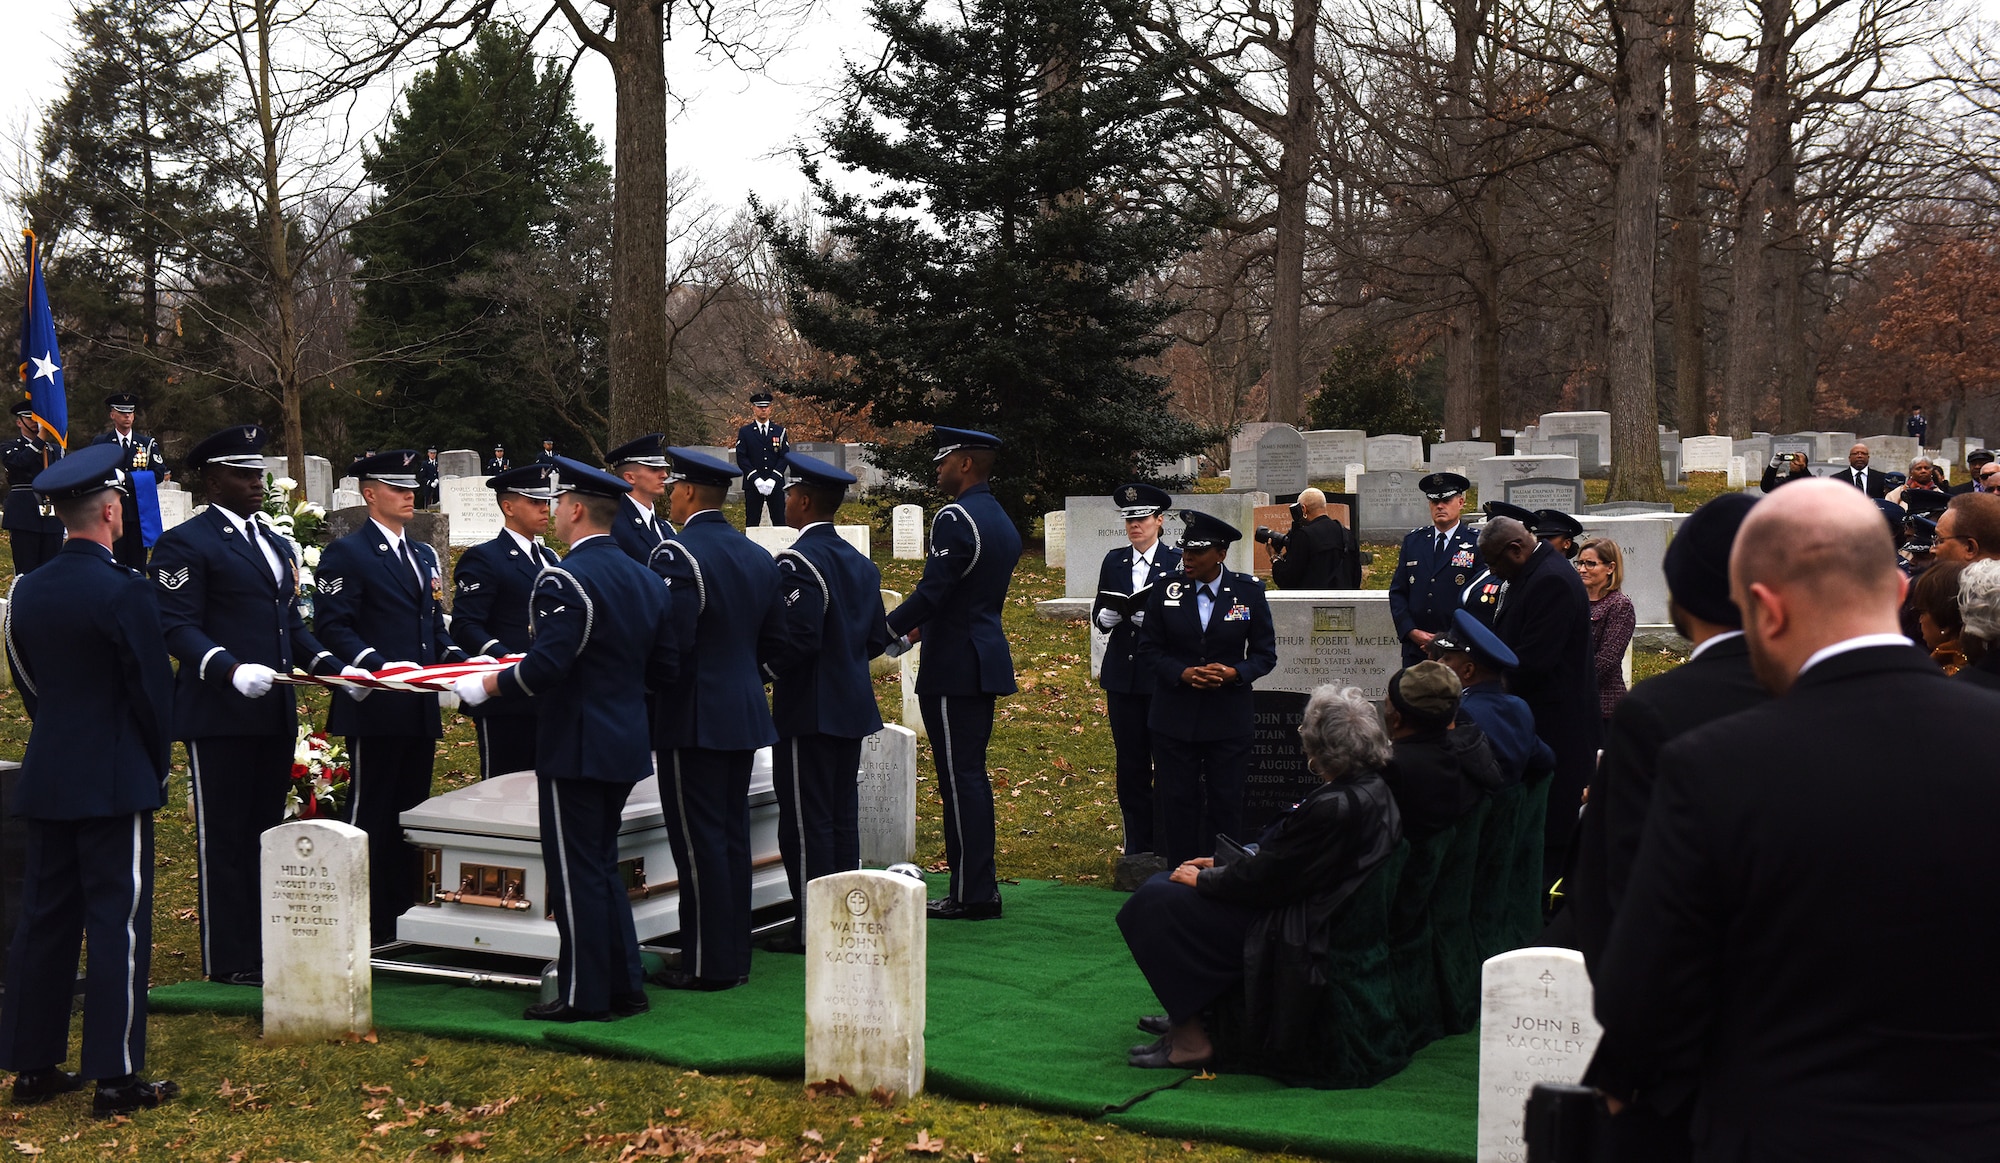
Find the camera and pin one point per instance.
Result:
(1781, 459)
(1279, 542)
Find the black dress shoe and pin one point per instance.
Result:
(33, 1086)
(625, 1005)
(1160, 1056)
(680, 979)
(562, 1011)
(947, 909)
(131, 1096)
(1154, 1024)
(1148, 1047)
(240, 977)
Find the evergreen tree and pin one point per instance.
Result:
(476, 169)
(1364, 388)
(987, 280)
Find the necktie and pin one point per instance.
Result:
(1437, 550)
(257, 546)
(410, 564)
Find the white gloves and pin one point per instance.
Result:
(357, 693)
(482, 658)
(1107, 618)
(765, 485)
(470, 689)
(400, 666)
(1138, 617)
(897, 648)
(252, 680)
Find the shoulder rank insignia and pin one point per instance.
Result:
(173, 579)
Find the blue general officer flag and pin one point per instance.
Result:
(41, 364)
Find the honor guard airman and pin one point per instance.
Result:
(144, 466)
(429, 472)
(708, 725)
(1207, 637)
(490, 610)
(498, 462)
(1434, 568)
(601, 638)
(1123, 582)
(955, 610)
(830, 623)
(1559, 530)
(641, 463)
(381, 607)
(761, 448)
(85, 646)
(228, 591)
(34, 532)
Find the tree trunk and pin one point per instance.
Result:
(1747, 378)
(284, 355)
(1486, 352)
(1688, 230)
(638, 313)
(1639, 94)
(1461, 372)
(1791, 265)
(1295, 161)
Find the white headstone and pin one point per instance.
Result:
(351, 484)
(906, 533)
(1492, 470)
(1833, 446)
(1093, 528)
(1391, 504)
(882, 664)
(175, 507)
(1891, 453)
(1339, 636)
(459, 462)
(1736, 473)
(1535, 1025)
(1330, 450)
(1642, 543)
(1456, 455)
(473, 508)
(913, 715)
(866, 965)
(1706, 453)
(317, 977)
(1243, 452)
(1394, 453)
(347, 499)
(777, 538)
(1054, 526)
(1354, 472)
(888, 794)
(319, 481)
(1596, 424)
(1281, 463)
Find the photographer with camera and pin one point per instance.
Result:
(1314, 555)
(1792, 466)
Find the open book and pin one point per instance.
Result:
(1126, 604)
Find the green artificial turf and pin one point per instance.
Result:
(1035, 1009)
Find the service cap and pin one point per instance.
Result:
(89, 470)
(649, 450)
(950, 440)
(122, 402)
(1556, 523)
(811, 470)
(1205, 532)
(699, 468)
(574, 476)
(1137, 500)
(1469, 635)
(759, 397)
(238, 446)
(1494, 509)
(529, 480)
(1443, 486)
(396, 468)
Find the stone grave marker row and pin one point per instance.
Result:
(1593, 424)
(1329, 451)
(1494, 470)
(1395, 453)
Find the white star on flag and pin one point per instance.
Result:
(45, 367)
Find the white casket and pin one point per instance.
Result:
(484, 884)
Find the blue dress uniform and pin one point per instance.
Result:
(226, 600)
(33, 537)
(708, 725)
(1434, 571)
(1128, 690)
(822, 698)
(966, 667)
(377, 606)
(602, 636)
(83, 639)
(428, 474)
(761, 449)
(498, 462)
(490, 615)
(639, 530)
(141, 453)
(1201, 737)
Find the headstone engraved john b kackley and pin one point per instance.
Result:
(1535, 1025)
(865, 971)
(317, 982)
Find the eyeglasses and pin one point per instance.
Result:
(1582, 564)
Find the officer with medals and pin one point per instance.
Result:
(761, 448)
(141, 453)
(428, 475)
(490, 612)
(1484, 593)
(34, 532)
(955, 610)
(84, 643)
(709, 723)
(498, 462)
(641, 463)
(1128, 690)
(1207, 637)
(228, 592)
(1435, 567)
(548, 453)
(381, 607)
(602, 636)
(830, 623)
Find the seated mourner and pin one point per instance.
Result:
(1441, 768)
(1479, 659)
(1198, 931)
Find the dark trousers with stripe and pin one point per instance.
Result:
(506, 743)
(239, 791)
(756, 504)
(32, 549)
(1200, 785)
(86, 880)
(817, 778)
(599, 957)
(1134, 743)
(705, 797)
(960, 726)
(389, 774)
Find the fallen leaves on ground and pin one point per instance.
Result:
(835, 1087)
(657, 1142)
(925, 1145)
(883, 1097)
(24, 1147)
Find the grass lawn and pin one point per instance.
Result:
(411, 1097)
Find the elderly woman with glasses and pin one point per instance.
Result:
(1612, 619)
(1979, 618)
(1244, 915)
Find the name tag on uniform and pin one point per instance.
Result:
(1237, 614)
(1461, 559)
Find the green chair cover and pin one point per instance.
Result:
(1456, 952)
(1412, 939)
(1492, 920)
(1525, 902)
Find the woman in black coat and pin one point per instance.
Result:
(1198, 931)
